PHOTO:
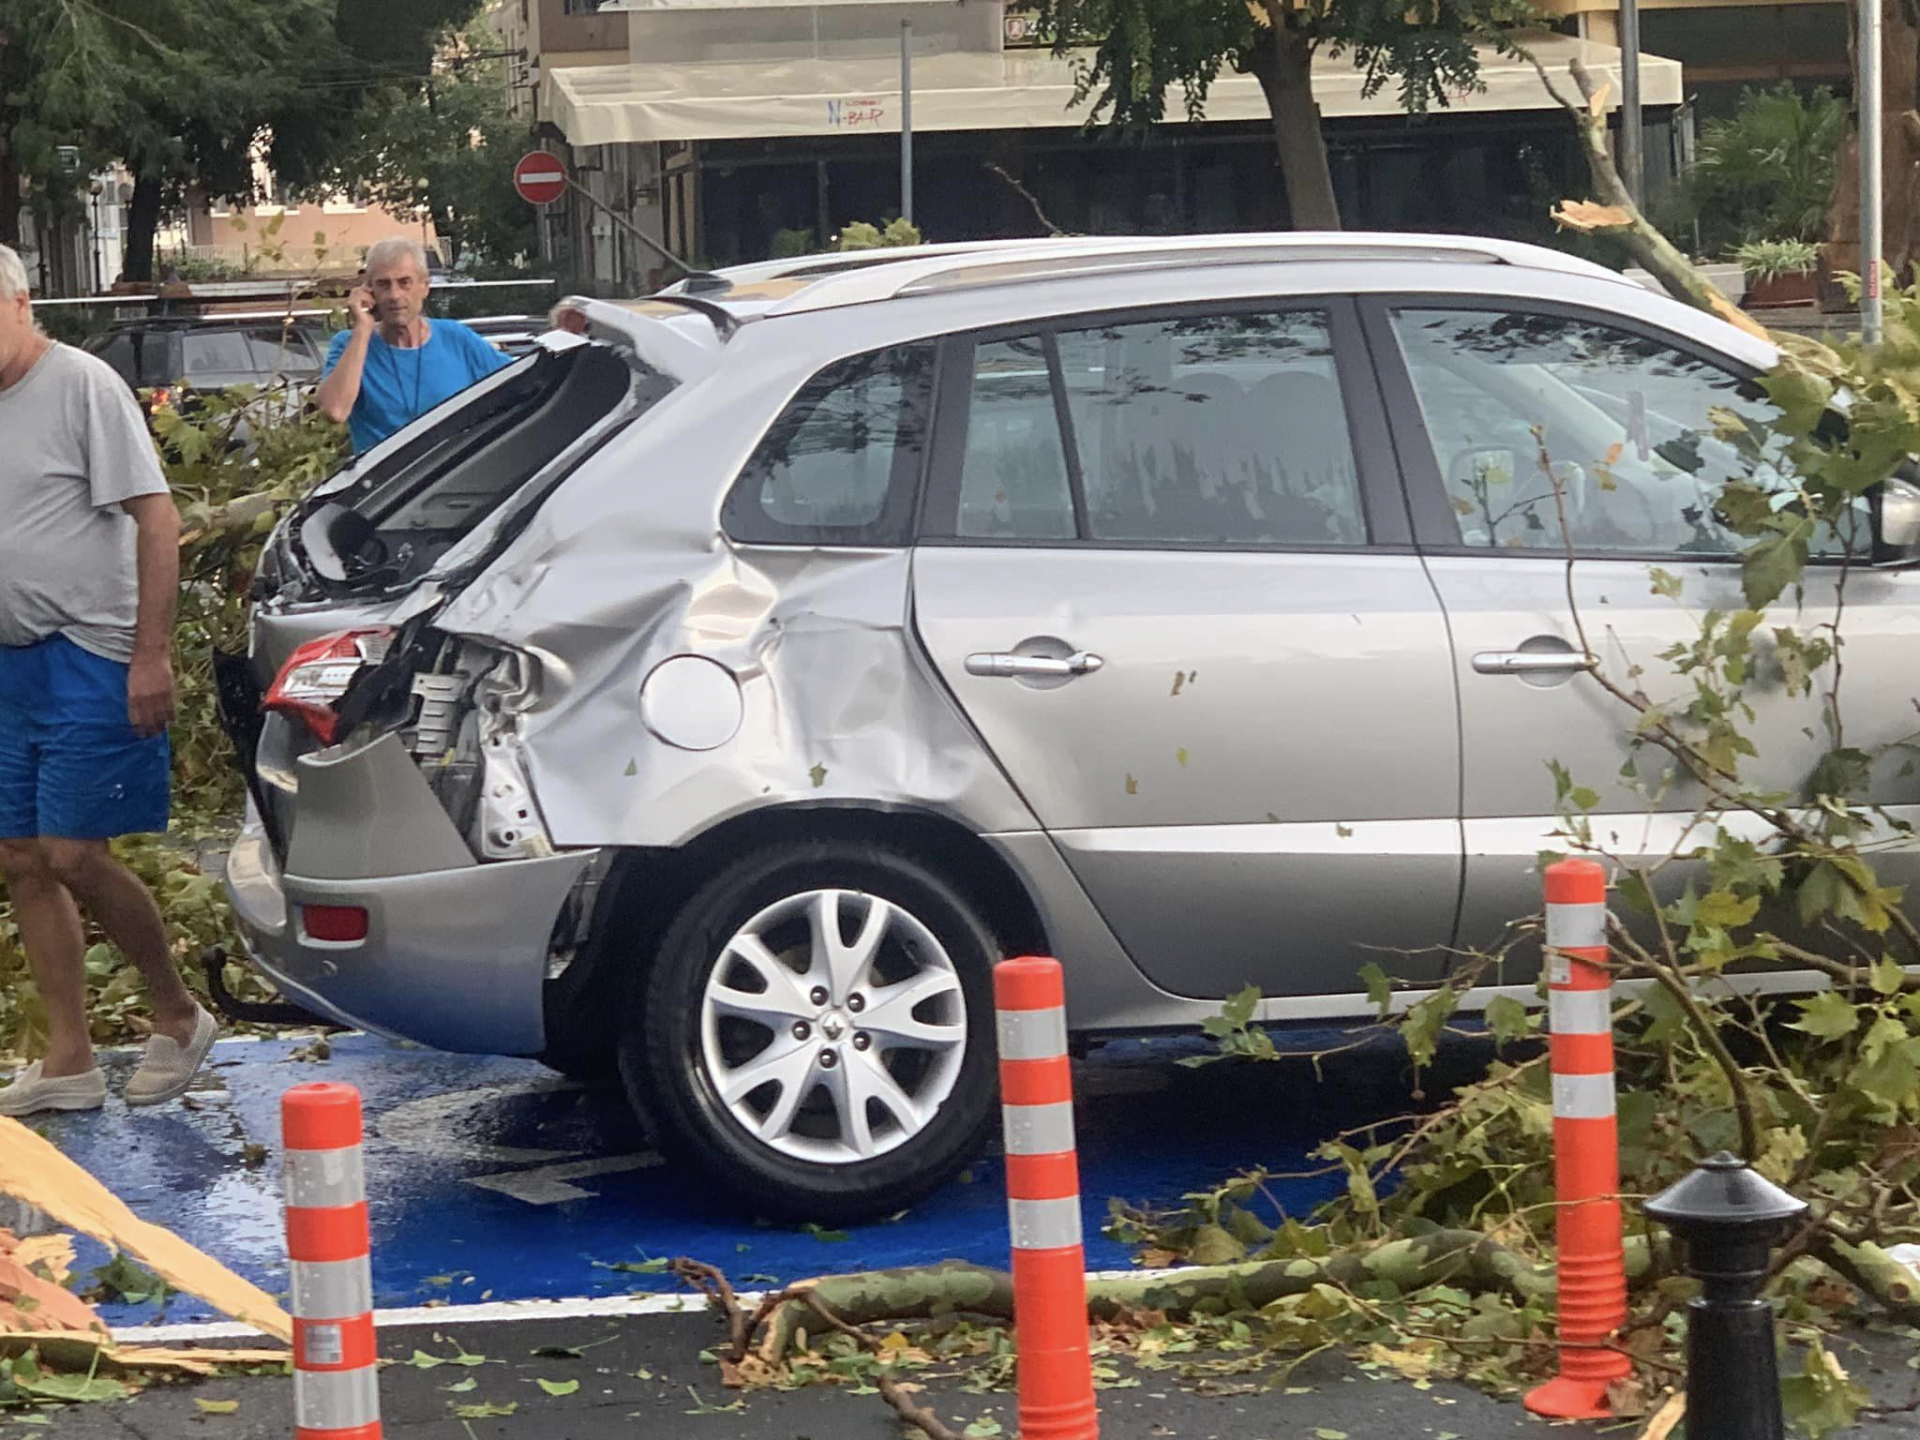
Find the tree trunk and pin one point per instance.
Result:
(10, 117)
(143, 219)
(1282, 60)
(1900, 159)
(9, 192)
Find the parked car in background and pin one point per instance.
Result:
(170, 357)
(730, 692)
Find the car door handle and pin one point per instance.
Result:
(1014, 667)
(1532, 662)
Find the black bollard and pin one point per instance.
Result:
(1728, 1218)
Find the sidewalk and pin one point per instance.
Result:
(644, 1377)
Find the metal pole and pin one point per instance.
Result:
(1632, 136)
(906, 121)
(1868, 103)
(628, 226)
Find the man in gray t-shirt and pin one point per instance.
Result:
(89, 571)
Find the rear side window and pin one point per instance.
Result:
(841, 466)
(216, 352)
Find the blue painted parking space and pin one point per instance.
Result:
(497, 1180)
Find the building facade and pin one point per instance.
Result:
(737, 130)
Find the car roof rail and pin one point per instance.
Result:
(1044, 260)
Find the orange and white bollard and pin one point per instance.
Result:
(1586, 1146)
(1043, 1203)
(336, 1390)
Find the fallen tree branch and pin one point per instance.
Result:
(711, 1283)
(1462, 1258)
(918, 1416)
(1616, 214)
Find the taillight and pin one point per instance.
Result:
(317, 675)
(337, 924)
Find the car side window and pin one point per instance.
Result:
(1224, 429)
(216, 352)
(1013, 480)
(1550, 429)
(841, 466)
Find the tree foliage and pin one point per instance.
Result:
(444, 140)
(188, 92)
(1764, 173)
(178, 90)
(1136, 54)
(1820, 1092)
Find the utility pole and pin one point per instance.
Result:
(1871, 241)
(906, 121)
(1633, 168)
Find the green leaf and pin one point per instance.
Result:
(985, 1428)
(1508, 1019)
(423, 1361)
(1723, 910)
(1829, 1015)
(557, 1388)
(635, 1267)
(1379, 986)
(1773, 563)
(73, 1389)
(1822, 1399)
(825, 1236)
(486, 1410)
(217, 1407)
(1888, 976)
(1323, 1432)
(462, 1387)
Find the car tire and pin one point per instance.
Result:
(823, 1138)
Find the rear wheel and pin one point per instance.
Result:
(815, 1032)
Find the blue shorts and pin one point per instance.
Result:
(71, 765)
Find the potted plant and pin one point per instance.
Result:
(1780, 272)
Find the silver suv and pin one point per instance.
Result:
(714, 700)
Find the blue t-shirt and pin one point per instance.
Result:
(399, 385)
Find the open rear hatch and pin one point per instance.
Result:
(406, 504)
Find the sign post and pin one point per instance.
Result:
(539, 178)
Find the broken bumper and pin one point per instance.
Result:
(455, 955)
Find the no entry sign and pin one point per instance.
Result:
(540, 178)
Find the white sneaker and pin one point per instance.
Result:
(169, 1067)
(31, 1092)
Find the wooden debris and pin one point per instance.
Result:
(34, 1171)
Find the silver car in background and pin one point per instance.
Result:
(716, 700)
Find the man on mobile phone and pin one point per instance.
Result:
(392, 364)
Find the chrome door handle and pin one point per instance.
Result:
(1532, 662)
(1014, 667)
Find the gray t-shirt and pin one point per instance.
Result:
(73, 445)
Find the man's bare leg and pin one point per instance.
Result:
(115, 898)
(56, 951)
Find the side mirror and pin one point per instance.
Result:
(1896, 523)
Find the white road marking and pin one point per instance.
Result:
(547, 1184)
(500, 1311)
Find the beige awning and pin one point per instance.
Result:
(1013, 90)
